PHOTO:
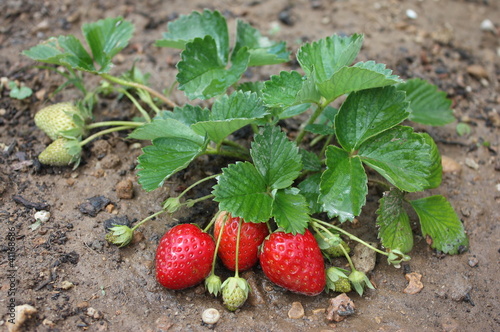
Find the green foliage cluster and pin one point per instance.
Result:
(279, 178)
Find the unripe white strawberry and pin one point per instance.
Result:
(57, 154)
(57, 118)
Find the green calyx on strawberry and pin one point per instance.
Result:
(337, 280)
(251, 237)
(213, 284)
(235, 292)
(184, 257)
(61, 120)
(120, 235)
(332, 244)
(61, 152)
(359, 280)
(294, 262)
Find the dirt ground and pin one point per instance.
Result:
(115, 289)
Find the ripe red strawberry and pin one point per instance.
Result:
(184, 257)
(251, 237)
(294, 262)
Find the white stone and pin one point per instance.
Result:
(410, 13)
(42, 216)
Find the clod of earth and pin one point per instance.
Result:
(414, 283)
(94, 205)
(340, 307)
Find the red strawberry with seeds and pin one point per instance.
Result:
(251, 237)
(184, 257)
(294, 262)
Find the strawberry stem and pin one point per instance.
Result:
(197, 183)
(236, 261)
(104, 132)
(146, 219)
(136, 103)
(139, 86)
(113, 123)
(217, 244)
(320, 223)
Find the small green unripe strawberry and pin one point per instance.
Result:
(235, 292)
(58, 153)
(55, 119)
(342, 285)
(336, 251)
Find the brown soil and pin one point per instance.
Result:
(460, 292)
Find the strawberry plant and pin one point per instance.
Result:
(356, 132)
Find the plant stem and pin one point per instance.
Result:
(311, 120)
(191, 202)
(217, 244)
(236, 260)
(317, 225)
(197, 183)
(113, 123)
(352, 237)
(148, 218)
(136, 103)
(138, 86)
(235, 145)
(104, 132)
(226, 153)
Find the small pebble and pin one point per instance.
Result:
(22, 314)
(471, 163)
(450, 165)
(414, 283)
(473, 261)
(296, 311)
(410, 13)
(42, 216)
(210, 316)
(125, 189)
(477, 71)
(487, 25)
(65, 284)
(91, 312)
(364, 258)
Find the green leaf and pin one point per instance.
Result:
(309, 188)
(289, 89)
(281, 90)
(242, 191)
(395, 229)
(262, 50)
(75, 54)
(203, 74)
(47, 51)
(20, 93)
(325, 57)
(230, 113)
(343, 185)
(361, 76)
(290, 211)
(255, 87)
(165, 157)
(276, 158)
(367, 113)
(187, 114)
(187, 28)
(106, 38)
(310, 160)
(166, 128)
(440, 224)
(436, 169)
(406, 159)
(428, 105)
